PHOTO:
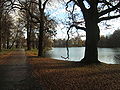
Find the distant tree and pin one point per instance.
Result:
(1, 12)
(27, 21)
(73, 42)
(59, 43)
(7, 21)
(103, 42)
(111, 41)
(94, 11)
(36, 15)
(19, 33)
(5, 8)
(76, 42)
(114, 39)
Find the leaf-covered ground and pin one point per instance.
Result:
(54, 74)
(5, 53)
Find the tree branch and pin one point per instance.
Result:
(108, 18)
(78, 27)
(44, 4)
(34, 2)
(33, 16)
(81, 5)
(109, 10)
(105, 2)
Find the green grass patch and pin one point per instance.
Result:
(5, 51)
(33, 52)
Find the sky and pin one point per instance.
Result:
(57, 11)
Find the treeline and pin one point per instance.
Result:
(105, 42)
(73, 42)
(31, 19)
(110, 41)
(11, 35)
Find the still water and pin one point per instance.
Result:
(106, 55)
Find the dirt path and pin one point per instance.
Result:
(15, 72)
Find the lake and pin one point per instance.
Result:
(106, 55)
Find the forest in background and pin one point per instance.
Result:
(111, 41)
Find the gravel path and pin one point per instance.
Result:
(15, 72)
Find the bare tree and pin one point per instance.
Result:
(38, 17)
(93, 11)
(5, 8)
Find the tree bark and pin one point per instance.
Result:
(40, 43)
(41, 31)
(0, 33)
(8, 39)
(28, 34)
(8, 42)
(92, 38)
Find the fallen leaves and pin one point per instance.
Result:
(65, 75)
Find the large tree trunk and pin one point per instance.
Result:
(28, 37)
(41, 31)
(8, 42)
(40, 43)
(0, 26)
(28, 42)
(0, 34)
(92, 38)
(0, 41)
(28, 31)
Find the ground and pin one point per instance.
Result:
(66, 75)
(15, 72)
(29, 72)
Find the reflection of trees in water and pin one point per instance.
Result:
(48, 54)
(117, 59)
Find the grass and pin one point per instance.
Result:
(32, 52)
(5, 53)
(54, 74)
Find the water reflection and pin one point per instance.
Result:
(117, 59)
(106, 55)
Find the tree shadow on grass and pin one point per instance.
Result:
(99, 74)
(57, 64)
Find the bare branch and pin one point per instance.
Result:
(109, 10)
(67, 43)
(105, 2)
(78, 27)
(88, 1)
(34, 2)
(75, 2)
(108, 18)
(67, 5)
(44, 4)
(81, 5)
